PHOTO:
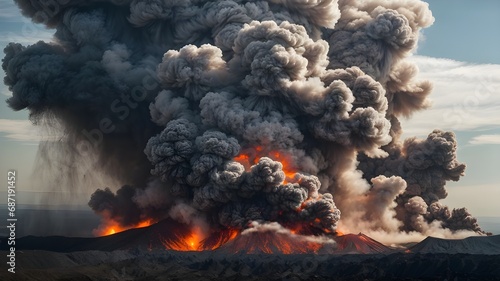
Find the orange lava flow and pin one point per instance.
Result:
(249, 157)
(196, 240)
(111, 227)
(189, 242)
(339, 233)
(273, 243)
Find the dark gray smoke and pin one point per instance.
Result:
(239, 111)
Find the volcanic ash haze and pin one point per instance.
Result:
(223, 113)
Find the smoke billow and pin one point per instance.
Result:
(235, 112)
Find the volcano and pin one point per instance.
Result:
(359, 244)
(171, 235)
(257, 253)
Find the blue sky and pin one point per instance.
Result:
(459, 54)
(464, 30)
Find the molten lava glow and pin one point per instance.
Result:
(112, 227)
(272, 243)
(190, 242)
(197, 241)
(244, 160)
(249, 157)
(288, 165)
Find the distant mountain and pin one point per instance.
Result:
(276, 243)
(359, 244)
(479, 245)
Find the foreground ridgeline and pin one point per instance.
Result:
(262, 253)
(136, 264)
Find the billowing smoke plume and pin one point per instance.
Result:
(234, 112)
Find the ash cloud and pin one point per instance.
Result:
(236, 112)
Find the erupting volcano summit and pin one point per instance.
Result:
(232, 116)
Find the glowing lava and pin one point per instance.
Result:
(260, 239)
(196, 240)
(249, 157)
(179, 243)
(271, 242)
(111, 227)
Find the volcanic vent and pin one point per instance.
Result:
(223, 114)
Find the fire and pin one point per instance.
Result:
(196, 240)
(188, 242)
(193, 242)
(270, 242)
(244, 159)
(250, 157)
(111, 227)
(219, 238)
(339, 233)
(288, 165)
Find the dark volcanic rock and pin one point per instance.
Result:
(480, 245)
(359, 244)
(171, 265)
(138, 238)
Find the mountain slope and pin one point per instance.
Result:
(483, 245)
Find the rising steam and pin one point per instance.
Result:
(235, 112)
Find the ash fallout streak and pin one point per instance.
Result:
(261, 111)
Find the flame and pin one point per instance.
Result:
(243, 159)
(111, 227)
(250, 157)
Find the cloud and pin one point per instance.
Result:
(23, 131)
(465, 96)
(485, 139)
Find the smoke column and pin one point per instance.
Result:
(226, 113)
